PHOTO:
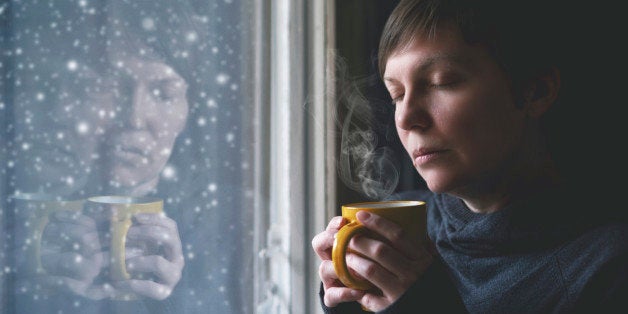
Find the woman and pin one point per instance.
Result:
(475, 89)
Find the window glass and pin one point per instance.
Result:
(138, 101)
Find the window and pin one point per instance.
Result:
(216, 108)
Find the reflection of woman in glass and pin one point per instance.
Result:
(101, 123)
(111, 130)
(139, 98)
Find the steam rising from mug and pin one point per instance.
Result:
(362, 165)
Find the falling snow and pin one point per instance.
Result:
(138, 100)
(229, 137)
(222, 78)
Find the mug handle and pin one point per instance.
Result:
(338, 254)
(119, 229)
(39, 222)
(34, 250)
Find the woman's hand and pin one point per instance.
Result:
(392, 265)
(154, 257)
(70, 253)
(335, 291)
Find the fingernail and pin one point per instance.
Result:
(363, 215)
(356, 293)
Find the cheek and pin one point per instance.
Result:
(404, 138)
(180, 115)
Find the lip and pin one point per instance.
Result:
(423, 156)
(131, 155)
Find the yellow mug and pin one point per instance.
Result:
(409, 215)
(119, 210)
(35, 209)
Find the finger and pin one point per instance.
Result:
(156, 219)
(370, 270)
(71, 237)
(336, 295)
(328, 275)
(67, 284)
(404, 268)
(159, 237)
(380, 252)
(99, 292)
(73, 217)
(322, 244)
(167, 272)
(374, 302)
(391, 232)
(145, 288)
(335, 223)
(72, 265)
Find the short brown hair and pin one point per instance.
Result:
(520, 35)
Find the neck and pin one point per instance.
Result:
(528, 172)
(496, 194)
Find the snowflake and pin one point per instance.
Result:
(212, 187)
(211, 103)
(230, 137)
(72, 65)
(82, 127)
(148, 24)
(222, 78)
(169, 172)
(191, 37)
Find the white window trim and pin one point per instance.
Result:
(297, 181)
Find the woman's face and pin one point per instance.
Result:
(454, 111)
(148, 112)
(115, 124)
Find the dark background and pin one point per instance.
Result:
(590, 124)
(359, 25)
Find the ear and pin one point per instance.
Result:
(542, 92)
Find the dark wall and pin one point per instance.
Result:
(359, 24)
(592, 123)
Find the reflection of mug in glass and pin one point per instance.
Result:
(409, 215)
(118, 210)
(35, 210)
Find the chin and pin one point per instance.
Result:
(438, 182)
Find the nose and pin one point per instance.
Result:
(139, 103)
(412, 113)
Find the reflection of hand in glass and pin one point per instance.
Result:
(75, 261)
(70, 254)
(154, 256)
(148, 110)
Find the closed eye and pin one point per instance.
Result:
(396, 99)
(444, 85)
